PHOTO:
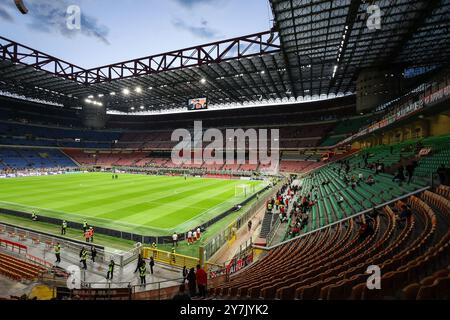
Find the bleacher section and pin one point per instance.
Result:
(344, 128)
(19, 269)
(27, 158)
(331, 263)
(35, 135)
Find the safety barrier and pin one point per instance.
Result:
(169, 258)
(216, 243)
(14, 246)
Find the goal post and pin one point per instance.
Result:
(243, 190)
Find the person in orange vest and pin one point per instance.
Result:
(91, 234)
(87, 235)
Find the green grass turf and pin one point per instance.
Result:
(148, 205)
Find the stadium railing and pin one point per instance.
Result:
(169, 258)
(14, 246)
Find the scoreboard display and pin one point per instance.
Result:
(198, 104)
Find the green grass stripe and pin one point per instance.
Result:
(151, 205)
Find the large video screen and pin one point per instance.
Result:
(198, 104)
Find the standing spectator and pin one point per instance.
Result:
(441, 171)
(151, 264)
(249, 225)
(85, 225)
(184, 274)
(410, 170)
(199, 231)
(202, 280)
(400, 176)
(192, 282)
(175, 239)
(93, 253)
(194, 236)
(139, 262)
(182, 295)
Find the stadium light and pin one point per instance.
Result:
(126, 92)
(101, 95)
(203, 81)
(112, 93)
(150, 88)
(142, 107)
(138, 89)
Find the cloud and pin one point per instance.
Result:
(193, 3)
(203, 31)
(49, 16)
(4, 15)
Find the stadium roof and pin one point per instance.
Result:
(316, 49)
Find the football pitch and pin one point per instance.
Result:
(142, 204)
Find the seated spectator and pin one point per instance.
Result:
(370, 180)
(400, 176)
(406, 213)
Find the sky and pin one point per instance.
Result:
(117, 30)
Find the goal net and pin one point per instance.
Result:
(243, 190)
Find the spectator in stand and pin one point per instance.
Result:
(442, 173)
(365, 230)
(447, 175)
(192, 282)
(360, 177)
(340, 200)
(184, 273)
(400, 176)
(410, 170)
(406, 213)
(182, 295)
(202, 280)
(370, 180)
(93, 253)
(151, 264)
(139, 262)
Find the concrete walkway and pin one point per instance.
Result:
(96, 272)
(242, 237)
